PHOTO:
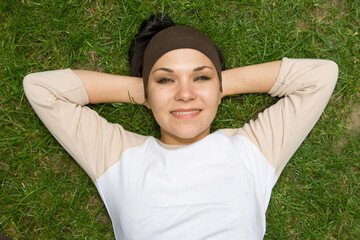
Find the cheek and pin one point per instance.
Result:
(212, 96)
(157, 98)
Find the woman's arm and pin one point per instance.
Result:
(104, 87)
(304, 87)
(257, 78)
(59, 98)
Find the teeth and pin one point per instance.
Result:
(184, 113)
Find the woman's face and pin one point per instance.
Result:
(184, 94)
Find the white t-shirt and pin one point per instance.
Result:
(216, 188)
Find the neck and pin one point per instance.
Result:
(171, 139)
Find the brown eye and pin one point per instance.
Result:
(164, 80)
(202, 77)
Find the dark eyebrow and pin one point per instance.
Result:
(200, 68)
(171, 71)
(164, 69)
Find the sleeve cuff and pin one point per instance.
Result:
(276, 88)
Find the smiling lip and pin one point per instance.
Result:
(185, 113)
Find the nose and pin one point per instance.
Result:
(185, 92)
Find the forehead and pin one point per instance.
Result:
(185, 57)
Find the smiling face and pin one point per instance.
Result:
(184, 94)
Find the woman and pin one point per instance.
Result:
(190, 184)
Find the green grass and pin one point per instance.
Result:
(44, 194)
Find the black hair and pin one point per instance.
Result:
(148, 29)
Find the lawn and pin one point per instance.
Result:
(44, 194)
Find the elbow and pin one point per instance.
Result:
(33, 86)
(331, 70)
(28, 84)
(332, 67)
(325, 76)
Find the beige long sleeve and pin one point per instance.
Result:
(59, 99)
(305, 87)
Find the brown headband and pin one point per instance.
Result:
(177, 37)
